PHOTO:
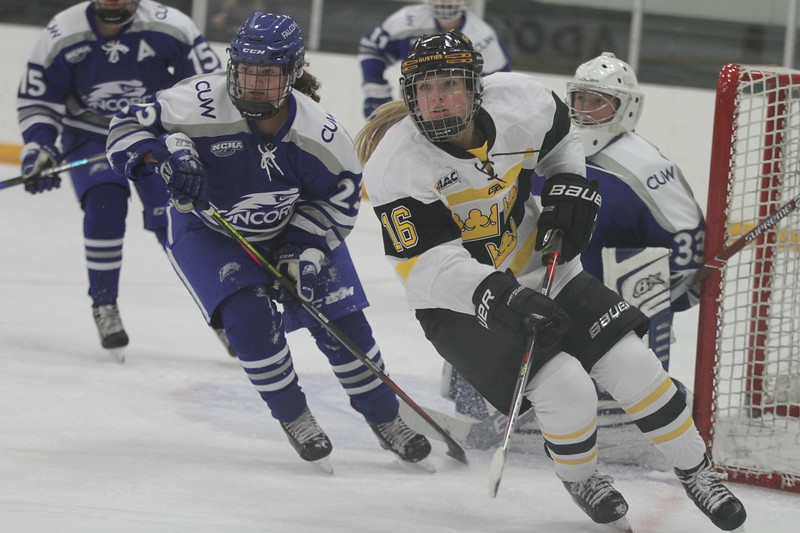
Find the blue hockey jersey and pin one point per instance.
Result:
(301, 185)
(76, 79)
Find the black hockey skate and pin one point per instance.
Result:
(704, 486)
(307, 437)
(109, 326)
(397, 437)
(600, 501)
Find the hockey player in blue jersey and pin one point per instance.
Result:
(390, 42)
(255, 144)
(92, 60)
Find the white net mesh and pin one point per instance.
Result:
(757, 403)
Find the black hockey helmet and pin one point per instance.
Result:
(436, 57)
(120, 13)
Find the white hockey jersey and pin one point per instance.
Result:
(452, 217)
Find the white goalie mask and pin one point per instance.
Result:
(447, 9)
(604, 101)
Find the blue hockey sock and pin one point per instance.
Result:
(105, 207)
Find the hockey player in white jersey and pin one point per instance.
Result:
(254, 143)
(450, 184)
(92, 60)
(390, 42)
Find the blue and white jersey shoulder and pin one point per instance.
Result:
(76, 78)
(301, 185)
(646, 203)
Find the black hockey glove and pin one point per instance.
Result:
(504, 306)
(184, 173)
(301, 266)
(36, 158)
(570, 204)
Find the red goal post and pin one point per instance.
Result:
(747, 382)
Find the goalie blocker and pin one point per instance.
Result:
(599, 319)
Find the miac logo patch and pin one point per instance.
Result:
(447, 181)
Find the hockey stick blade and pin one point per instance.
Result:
(729, 251)
(56, 169)
(454, 449)
(496, 468)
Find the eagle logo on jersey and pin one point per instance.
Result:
(113, 96)
(268, 159)
(263, 208)
(114, 49)
(646, 284)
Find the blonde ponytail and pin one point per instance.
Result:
(376, 127)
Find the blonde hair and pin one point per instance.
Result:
(376, 127)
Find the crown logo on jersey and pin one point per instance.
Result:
(114, 49)
(477, 225)
(508, 242)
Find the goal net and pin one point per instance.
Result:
(747, 385)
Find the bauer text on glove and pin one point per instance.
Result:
(504, 306)
(569, 203)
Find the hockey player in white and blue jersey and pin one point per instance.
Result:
(647, 203)
(390, 42)
(94, 59)
(450, 182)
(254, 143)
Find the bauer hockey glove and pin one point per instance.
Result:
(569, 203)
(299, 265)
(184, 173)
(507, 308)
(36, 158)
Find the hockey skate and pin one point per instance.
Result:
(600, 501)
(308, 439)
(704, 486)
(109, 327)
(407, 444)
(223, 337)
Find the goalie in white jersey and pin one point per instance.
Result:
(449, 174)
(277, 166)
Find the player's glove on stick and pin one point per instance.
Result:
(504, 306)
(184, 173)
(300, 265)
(570, 203)
(36, 158)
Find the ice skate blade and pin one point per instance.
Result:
(117, 354)
(423, 466)
(621, 525)
(324, 464)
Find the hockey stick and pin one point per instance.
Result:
(498, 463)
(56, 169)
(729, 251)
(454, 450)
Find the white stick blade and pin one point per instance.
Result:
(496, 470)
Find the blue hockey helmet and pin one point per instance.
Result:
(264, 40)
(115, 12)
(443, 55)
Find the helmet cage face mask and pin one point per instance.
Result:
(266, 57)
(122, 13)
(613, 81)
(443, 102)
(447, 9)
(442, 85)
